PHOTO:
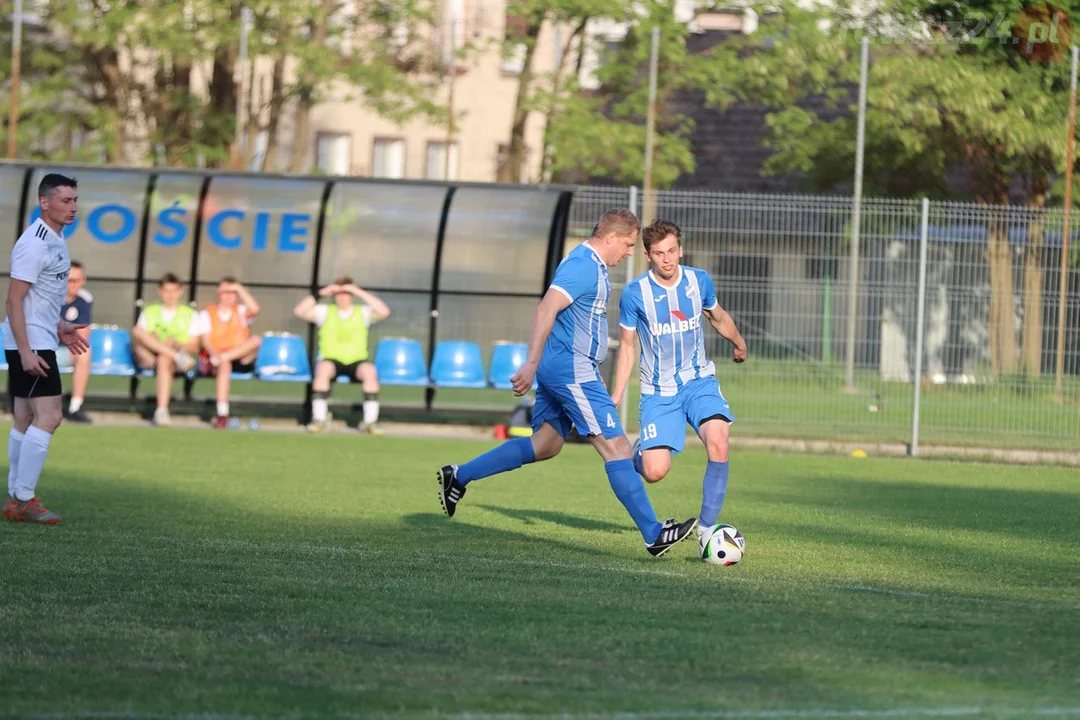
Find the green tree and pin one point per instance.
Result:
(542, 92)
(602, 133)
(947, 86)
(161, 81)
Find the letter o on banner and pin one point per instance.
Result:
(127, 224)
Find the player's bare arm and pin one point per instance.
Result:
(31, 362)
(723, 324)
(379, 309)
(246, 300)
(554, 302)
(305, 309)
(625, 364)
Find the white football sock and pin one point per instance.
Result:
(75, 404)
(15, 439)
(318, 410)
(223, 409)
(35, 448)
(371, 412)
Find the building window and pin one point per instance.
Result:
(513, 58)
(388, 158)
(514, 36)
(453, 29)
(333, 153)
(436, 161)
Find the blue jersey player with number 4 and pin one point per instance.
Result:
(567, 343)
(663, 309)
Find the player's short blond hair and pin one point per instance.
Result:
(619, 221)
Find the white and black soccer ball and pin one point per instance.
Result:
(722, 544)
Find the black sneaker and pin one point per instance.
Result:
(450, 490)
(79, 417)
(670, 534)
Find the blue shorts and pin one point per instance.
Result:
(663, 419)
(587, 406)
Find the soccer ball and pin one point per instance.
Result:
(722, 545)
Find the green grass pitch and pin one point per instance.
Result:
(257, 574)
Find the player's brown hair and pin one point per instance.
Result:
(343, 280)
(657, 230)
(169, 279)
(619, 221)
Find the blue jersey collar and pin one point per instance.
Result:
(678, 280)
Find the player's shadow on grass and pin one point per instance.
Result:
(529, 517)
(444, 533)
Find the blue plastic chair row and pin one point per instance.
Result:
(283, 357)
(459, 364)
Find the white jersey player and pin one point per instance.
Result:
(33, 330)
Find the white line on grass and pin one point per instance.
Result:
(938, 712)
(780, 714)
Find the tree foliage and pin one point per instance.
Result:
(163, 82)
(602, 133)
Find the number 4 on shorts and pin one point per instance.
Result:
(610, 420)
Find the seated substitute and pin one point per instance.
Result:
(78, 309)
(228, 345)
(343, 347)
(166, 339)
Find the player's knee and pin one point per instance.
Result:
(545, 451)
(654, 473)
(23, 417)
(49, 419)
(717, 448)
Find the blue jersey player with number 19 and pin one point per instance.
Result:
(663, 309)
(567, 343)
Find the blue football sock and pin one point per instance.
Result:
(511, 455)
(713, 489)
(630, 489)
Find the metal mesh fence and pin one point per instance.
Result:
(782, 268)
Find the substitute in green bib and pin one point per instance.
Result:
(165, 339)
(343, 347)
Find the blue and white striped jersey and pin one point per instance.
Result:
(668, 324)
(578, 341)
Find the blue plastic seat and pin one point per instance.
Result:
(283, 358)
(400, 361)
(458, 364)
(110, 352)
(506, 359)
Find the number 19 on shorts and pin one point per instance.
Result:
(649, 431)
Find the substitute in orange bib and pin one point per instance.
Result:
(227, 343)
